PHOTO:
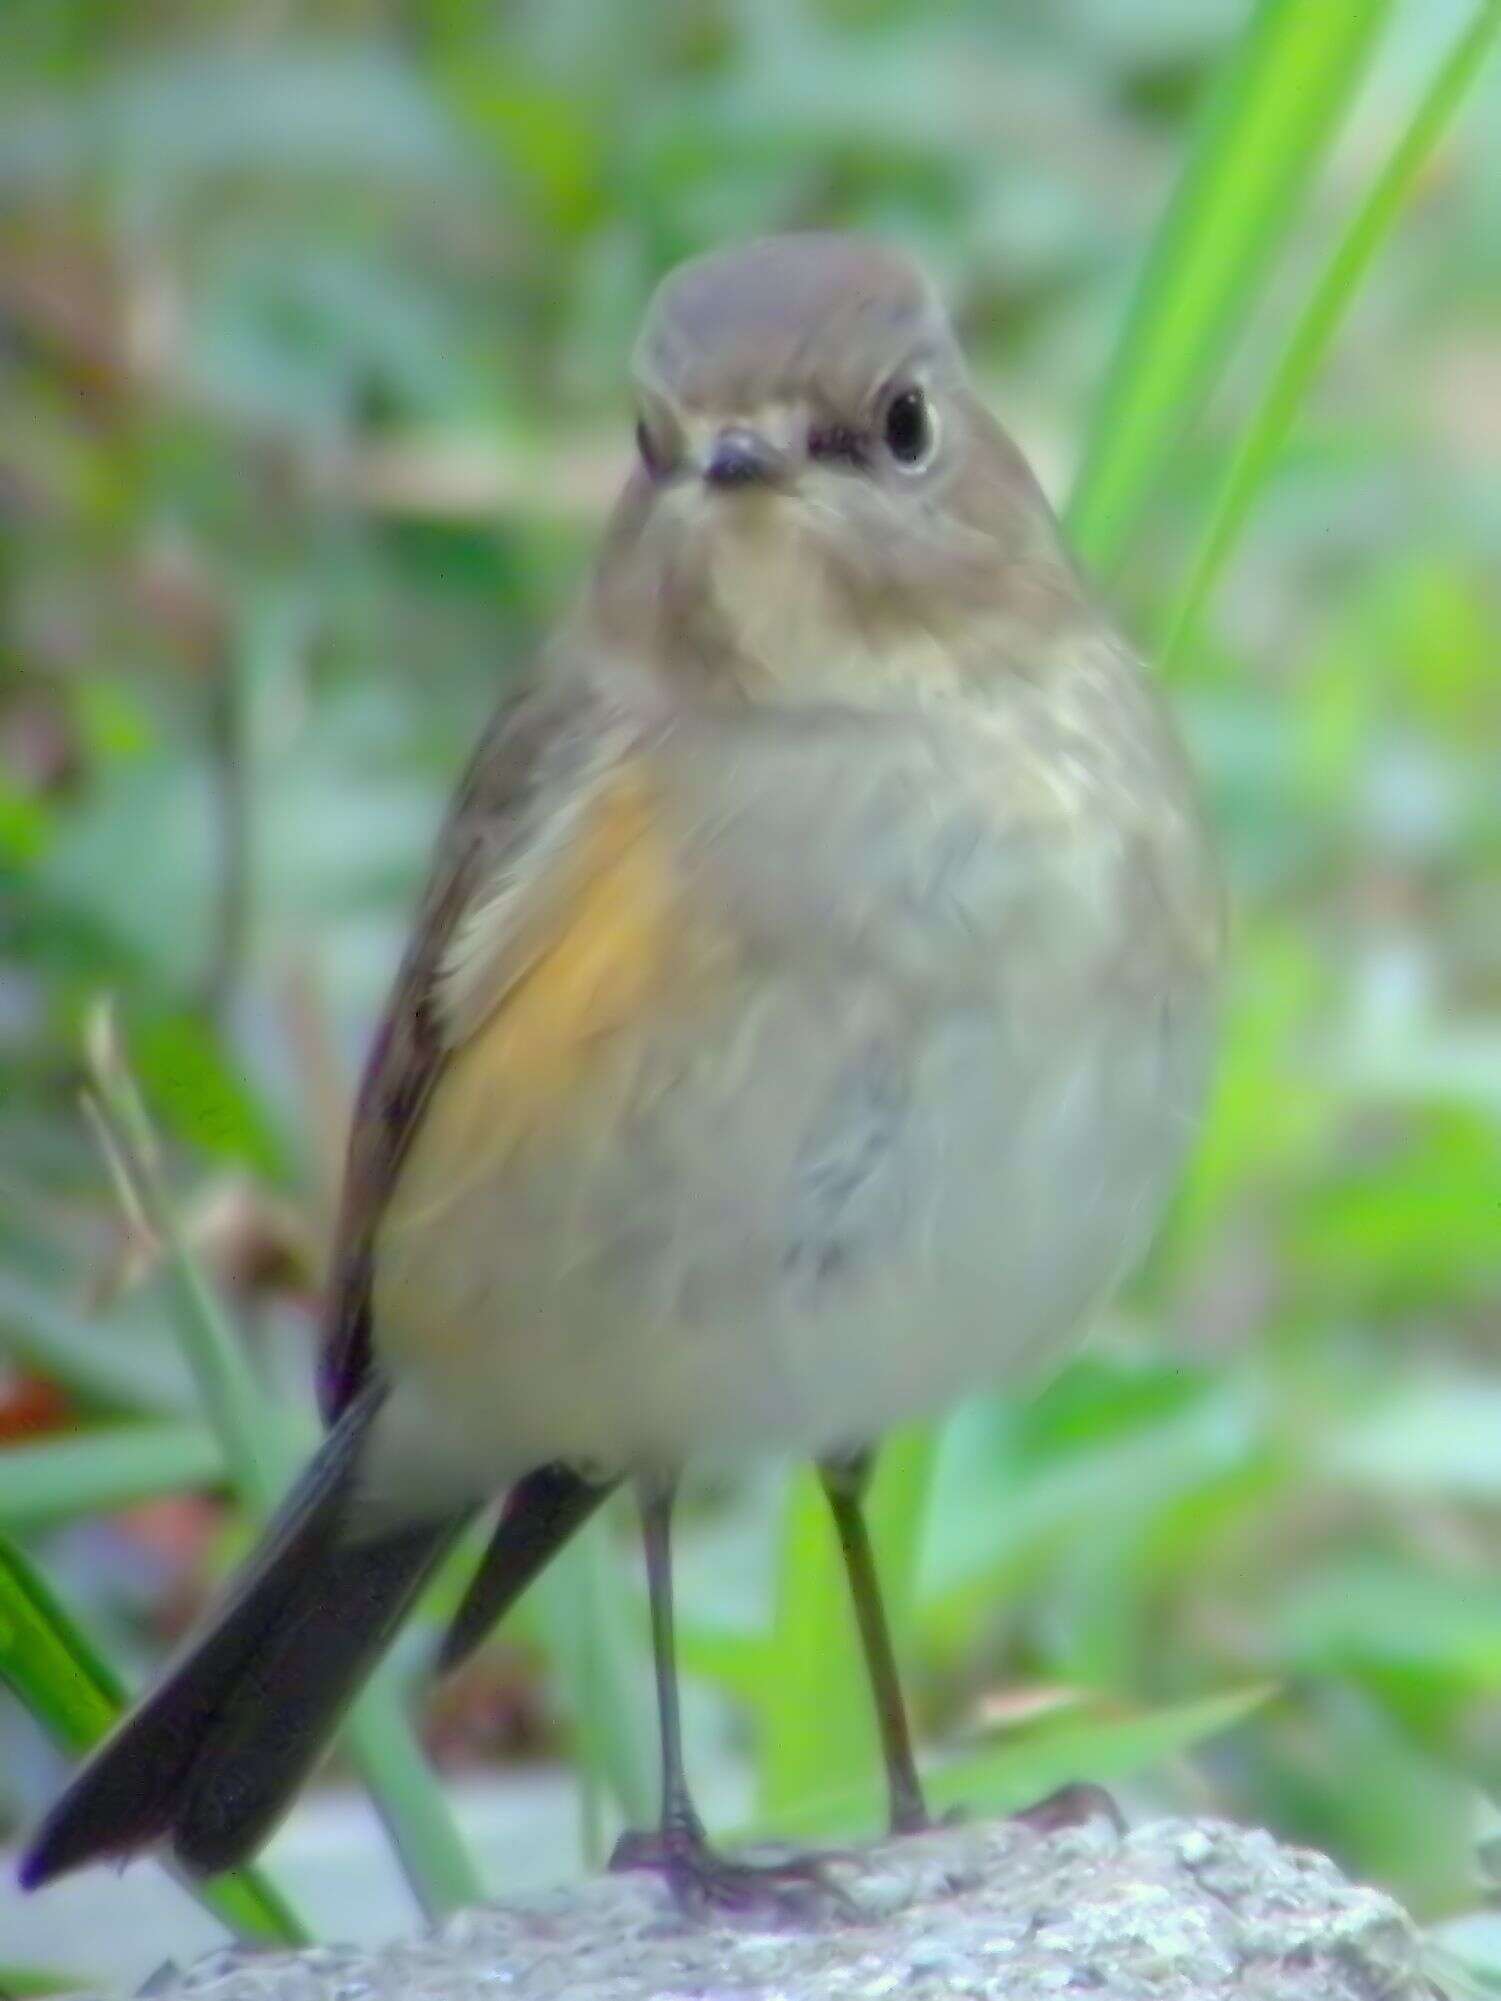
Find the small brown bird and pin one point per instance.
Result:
(805, 1021)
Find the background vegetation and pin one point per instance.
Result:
(312, 330)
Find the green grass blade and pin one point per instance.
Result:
(18, 1983)
(89, 1359)
(1103, 1748)
(1277, 104)
(1026, 1765)
(816, 1734)
(734, 1660)
(254, 1449)
(408, 1799)
(897, 1510)
(589, 1625)
(1321, 318)
(60, 1676)
(75, 1695)
(96, 1472)
(260, 1456)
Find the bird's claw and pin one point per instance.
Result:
(797, 1891)
(1072, 1806)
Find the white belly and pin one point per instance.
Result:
(928, 1121)
(843, 1227)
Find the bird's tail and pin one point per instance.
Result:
(540, 1514)
(211, 1756)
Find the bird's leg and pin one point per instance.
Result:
(679, 1815)
(845, 1482)
(795, 1890)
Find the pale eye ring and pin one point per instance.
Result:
(908, 429)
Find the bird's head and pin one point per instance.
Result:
(820, 498)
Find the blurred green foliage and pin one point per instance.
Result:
(312, 332)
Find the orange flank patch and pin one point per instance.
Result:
(599, 959)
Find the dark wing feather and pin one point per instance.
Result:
(539, 1515)
(530, 737)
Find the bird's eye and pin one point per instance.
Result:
(909, 427)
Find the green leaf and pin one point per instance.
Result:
(735, 1661)
(1278, 103)
(75, 1695)
(1101, 1747)
(97, 1471)
(189, 1077)
(1024, 1512)
(61, 1679)
(815, 1737)
(587, 1619)
(1321, 318)
(105, 1363)
(817, 1731)
(1378, 1612)
(898, 1509)
(1376, 1791)
(18, 1982)
(1026, 1765)
(23, 825)
(1420, 1221)
(260, 1452)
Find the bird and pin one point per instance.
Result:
(804, 1025)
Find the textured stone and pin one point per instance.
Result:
(1171, 1911)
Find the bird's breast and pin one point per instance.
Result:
(886, 1139)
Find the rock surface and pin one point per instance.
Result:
(1176, 1910)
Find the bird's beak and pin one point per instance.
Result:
(739, 457)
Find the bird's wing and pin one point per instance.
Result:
(531, 737)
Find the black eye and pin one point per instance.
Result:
(909, 427)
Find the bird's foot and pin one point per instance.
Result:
(1072, 1806)
(915, 1817)
(797, 1891)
